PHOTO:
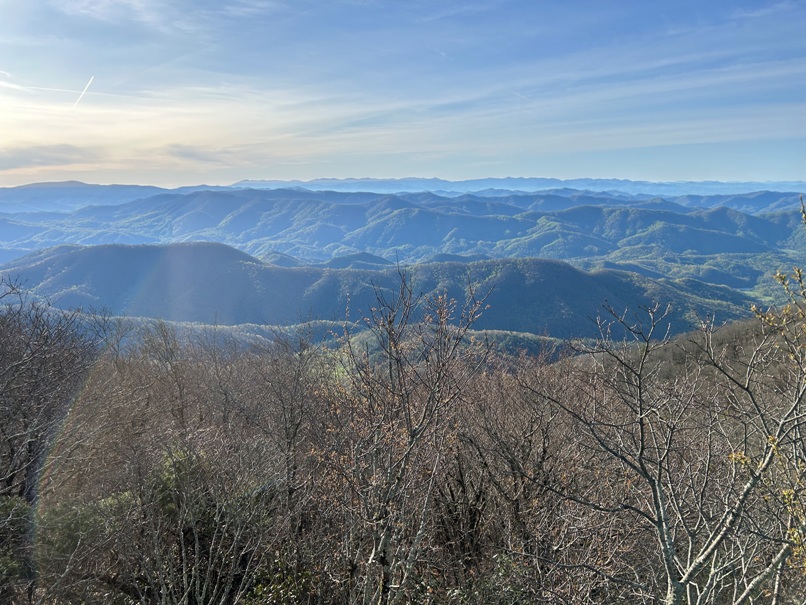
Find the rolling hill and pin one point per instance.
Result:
(214, 283)
(587, 230)
(550, 258)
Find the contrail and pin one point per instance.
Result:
(83, 91)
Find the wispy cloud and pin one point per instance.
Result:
(764, 11)
(165, 16)
(453, 9)
(44, 155)
(175, 16)
(11, 86)
(108, 10)
(200, 154)
(250, 8)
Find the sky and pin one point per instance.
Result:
(182, 92)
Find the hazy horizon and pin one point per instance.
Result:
(508, 183)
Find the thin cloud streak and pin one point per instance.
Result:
(83, 92)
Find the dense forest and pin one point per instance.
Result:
(405, 462)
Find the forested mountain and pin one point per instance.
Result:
(213, 283)
(733, 240)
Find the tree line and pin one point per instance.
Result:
(408, 463)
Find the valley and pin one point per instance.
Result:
(546, 261)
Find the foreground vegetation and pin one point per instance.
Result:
(409, 464)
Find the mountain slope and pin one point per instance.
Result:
(213, 283)
(677, 238)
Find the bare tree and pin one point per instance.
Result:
(45, 355)
(385, 434)
(698, 463)
(170, 497)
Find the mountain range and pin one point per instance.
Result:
(726, 239)
(278, 256)
(212, 283)
(526, 184)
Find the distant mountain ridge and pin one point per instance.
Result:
(66, 196)
(71, 195)
(530, 184)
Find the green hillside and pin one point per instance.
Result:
(213, 283)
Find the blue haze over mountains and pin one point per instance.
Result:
(549, 252)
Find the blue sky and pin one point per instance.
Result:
(201, 91)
